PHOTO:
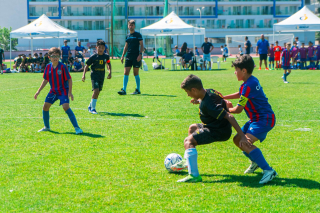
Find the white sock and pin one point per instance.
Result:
(93, 103)
(191, 155)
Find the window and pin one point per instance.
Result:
(32, 11)
(99, 25)
(87, 11)
(87, 25)
(218, 40)
(86, 40)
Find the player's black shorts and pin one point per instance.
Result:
(132, 63)
(205, 135)
(263, 57)
(1, 61)
(97, 84)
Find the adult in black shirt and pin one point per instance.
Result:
(98, 63)
(133, 58)
(183, 49)
(216, 125)
(247, 45)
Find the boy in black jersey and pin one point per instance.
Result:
(216, 125)
(41, 60)
(98, 62)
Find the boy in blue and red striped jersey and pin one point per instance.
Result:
(57, 74)
(286, 58)
(262, 119)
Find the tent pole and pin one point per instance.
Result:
(10, 51)
(59, 41)
(155, 42)
(194, 44)
(31, 46)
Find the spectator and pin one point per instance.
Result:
(184, 48)
(186, 59)
(240, 50)
(155, 55)
(263, 50)
(297, 41)
(197, 52)
(247, 46)
(45, 61)
(177, 51)
(70, 62)
(78, 65)
(206, 48)
(17, 62)
(24, 64)
(41, 60)
(30, 61)
(1, 57)
(225, 52)
(81, 51)
(36, 63)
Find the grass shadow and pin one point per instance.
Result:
(253, 181)
(91, 135)
(158, 95)
(120, 114)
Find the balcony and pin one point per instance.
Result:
(47, 13)
(75, 13)
(245, 13)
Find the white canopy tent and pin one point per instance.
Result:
(42, 28)
(172, 25)
(301, 21)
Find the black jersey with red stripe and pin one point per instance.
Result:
(98, 65)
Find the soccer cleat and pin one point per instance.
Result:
(191, 179)
(253, 167)
(286, 82)
(266, 68)
(78, 130)
(89, 109)
(136, 92)
(314, 68)
(179, 166)
(282, 77)
(122, 92)
(259, 68)
(268, 175)
(1, 72)
(93, 111)
(44, 129)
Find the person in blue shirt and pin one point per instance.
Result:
(81, 49)
(186, 58)
(262, 119)
(65, 53)
(263, 50)
(177, 51)
(206, 48)
(106, 50)
(197, 51)
(247, 45)
(78, 66)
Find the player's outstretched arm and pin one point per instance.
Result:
(236, 110)
(231, 96)
(84, 73)
(43, 84)
(244, 140)
(70, 89)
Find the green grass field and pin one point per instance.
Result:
(117, 164)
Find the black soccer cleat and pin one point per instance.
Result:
(122, 92)
(136, 92)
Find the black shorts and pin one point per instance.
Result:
(263, 57)
(97, 84)
(205, 135)
(1, 61)
(132, 63)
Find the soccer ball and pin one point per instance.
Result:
(172, 159)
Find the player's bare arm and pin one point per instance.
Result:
(70, 89)
(109, 69)
(84, 73)
(124, 52)
(43, 84)
(243, 139)
(141, 49)
(231, 96)
(236, 110)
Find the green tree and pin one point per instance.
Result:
(5, 39)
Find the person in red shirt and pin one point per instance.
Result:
(277, 54)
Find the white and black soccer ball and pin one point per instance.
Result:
(172, 159)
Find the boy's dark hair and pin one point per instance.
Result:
(192, 81)
(297, 37)
(302, 43)
(276, 42)
(244, 62)
(40, 53)
(132, 22)
(294, 42)
(310, 42)
(54, 50)
(101, 42)
(246, 37)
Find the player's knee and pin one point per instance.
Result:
(193, 128)
(236, 140)
(65, 107)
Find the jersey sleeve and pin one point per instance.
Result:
(66, 73)
(89, 61)
(46, 73)
(108, 59)
(244, 96)
(216, 111)
(140, 37)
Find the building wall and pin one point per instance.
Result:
(13, 13)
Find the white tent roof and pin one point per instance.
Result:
(171, 25)
(43, 28)
(303, 20)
